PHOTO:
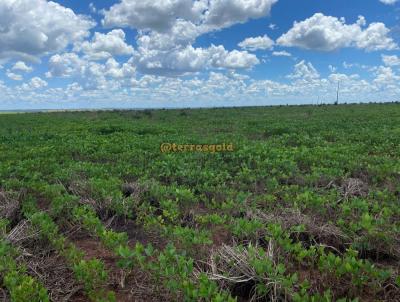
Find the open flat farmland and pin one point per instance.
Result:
(243, 204)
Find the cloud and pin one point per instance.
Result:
(33, 28)
(37, 83)
(167, 31)
(190, 59)
(14, 76)
(391, 60)
(257, 43)
(71, 65)
(369, 68)
(167, 66)
(167, 63)
(388, 2)
(282, 53)
(272, 26)
(161, 15)
(375, 37)
(304, 71)
(158, 15)
(65, 65)
(114, 69)
(327, 33)
(21, 66)
(224, 13)
(215, 88)
(182, 34)
(234, 59)
(386, 78)
(104, 46)
(332, 68)
(92, 8)
(91, 75)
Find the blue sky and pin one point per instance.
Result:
(196, 53)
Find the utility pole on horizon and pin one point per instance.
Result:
(337, 93)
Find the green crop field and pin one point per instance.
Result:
(305, 208)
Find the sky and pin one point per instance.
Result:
(197, 53)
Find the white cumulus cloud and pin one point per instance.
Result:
(257, 43)
(223, 13)
(391, 60)
(91, 74)
(167, 30)
(282, 53)
(104, 46)
(158, 15)
(65, 65)
(33, 28)
(304, 71)
(327, 33)
(14, 76)
(37, 83)
(21, 66)
(161, 15)
(190, 59)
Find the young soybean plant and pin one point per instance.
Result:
(90, 273)
(173, 268)
(19, 284)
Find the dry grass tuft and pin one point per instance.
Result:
(316, 230)
(52, 271)
(22, 233)
(42, 262)
(353, 187)
(231, 267)
(101, 207)
(9, 207)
